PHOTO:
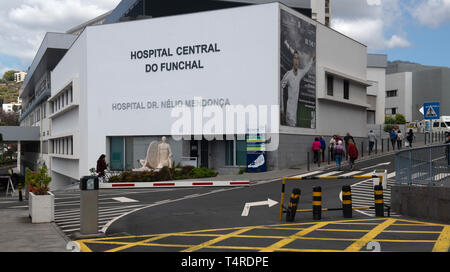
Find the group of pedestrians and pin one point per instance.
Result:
(337, 150)
(397, 139)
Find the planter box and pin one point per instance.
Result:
(41, 208)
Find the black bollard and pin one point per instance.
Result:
(317, 203)
(379, 203)
(20, 191)
(293, 203)
(347, 201)
(308, 159)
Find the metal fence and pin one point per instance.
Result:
(428, 165)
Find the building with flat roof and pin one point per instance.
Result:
(120, 85)
(409, 85)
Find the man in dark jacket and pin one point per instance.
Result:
(346, 139)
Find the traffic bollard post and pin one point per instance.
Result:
(347, 201)
(307, 158)
(293, 203)
(317, 203)
(20, 191)
(379, 203)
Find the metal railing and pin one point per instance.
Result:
(428, 165)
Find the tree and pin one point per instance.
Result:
(400, 119)
(388, 120)
(9, 75)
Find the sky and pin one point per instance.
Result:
(408, 30)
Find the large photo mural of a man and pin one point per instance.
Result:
(298, 72)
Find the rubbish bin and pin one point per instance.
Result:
(89, 205)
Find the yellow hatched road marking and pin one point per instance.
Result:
(216, 240)
(138, 243)
(292, 238)
(443, 242)
(370, 236)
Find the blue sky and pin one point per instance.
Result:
(409, 30)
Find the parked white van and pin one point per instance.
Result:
(438, 125)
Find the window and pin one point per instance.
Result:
(436, 124)
(394, 111)
(346, 89)
(236, 152)
(330, 85)
(391, 93)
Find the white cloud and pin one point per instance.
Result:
(432, 13)
(369, 21)
(25, 22)
(397, 41)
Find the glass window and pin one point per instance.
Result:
(117, 160)
(330, 85)
(241, 152)
(346, 89)
(229, 152)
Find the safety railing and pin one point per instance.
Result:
(428, 165)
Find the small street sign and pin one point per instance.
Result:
(431, 110)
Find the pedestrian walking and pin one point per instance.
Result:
(323, 147)
(346, 140)
(410, 137)
(101, 166)
(393, 137)
(372, 138)
(352, 152)
(316, 150)
(332, 145)
(339, 152)
(399, 140)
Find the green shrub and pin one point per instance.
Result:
(202, 173)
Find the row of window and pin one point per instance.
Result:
(330, 87)
(62, 146)
(62, 100)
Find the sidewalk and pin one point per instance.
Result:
(18, 234)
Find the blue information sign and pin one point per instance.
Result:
(431, 110)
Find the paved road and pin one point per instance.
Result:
(209, 219)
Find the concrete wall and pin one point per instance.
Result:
(402, 82)
(424, 202)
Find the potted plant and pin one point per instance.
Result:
(41, 203)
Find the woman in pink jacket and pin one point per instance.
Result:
(316, 149)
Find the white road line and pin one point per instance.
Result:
(330, 173)
(308, 174)
(353, 173)
(124, 199)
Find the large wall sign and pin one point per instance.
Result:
(298, 72)
(141, 72)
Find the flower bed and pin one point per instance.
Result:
(164, 174)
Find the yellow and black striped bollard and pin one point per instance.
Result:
(379, 203)
(347, 201)
(317, 203)
(293, 203)
(20, 191)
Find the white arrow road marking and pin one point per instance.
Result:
(269, 202)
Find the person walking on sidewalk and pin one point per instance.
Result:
(352, 152)
(316, 150)
(323, 147)
(410, 137)
(339, 152)
(399, 140)
(393, 138)
(332, 145)
(346, 139)
(372, 138)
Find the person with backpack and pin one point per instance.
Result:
(393, 137)
(339, 152)
(352, 152)
(333, 143)
(323, 147)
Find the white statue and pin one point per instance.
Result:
(164, 154)
(158, 156)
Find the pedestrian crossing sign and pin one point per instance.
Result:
(431, 110)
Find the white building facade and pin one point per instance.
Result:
(148, 73)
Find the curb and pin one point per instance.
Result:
(171, 184)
